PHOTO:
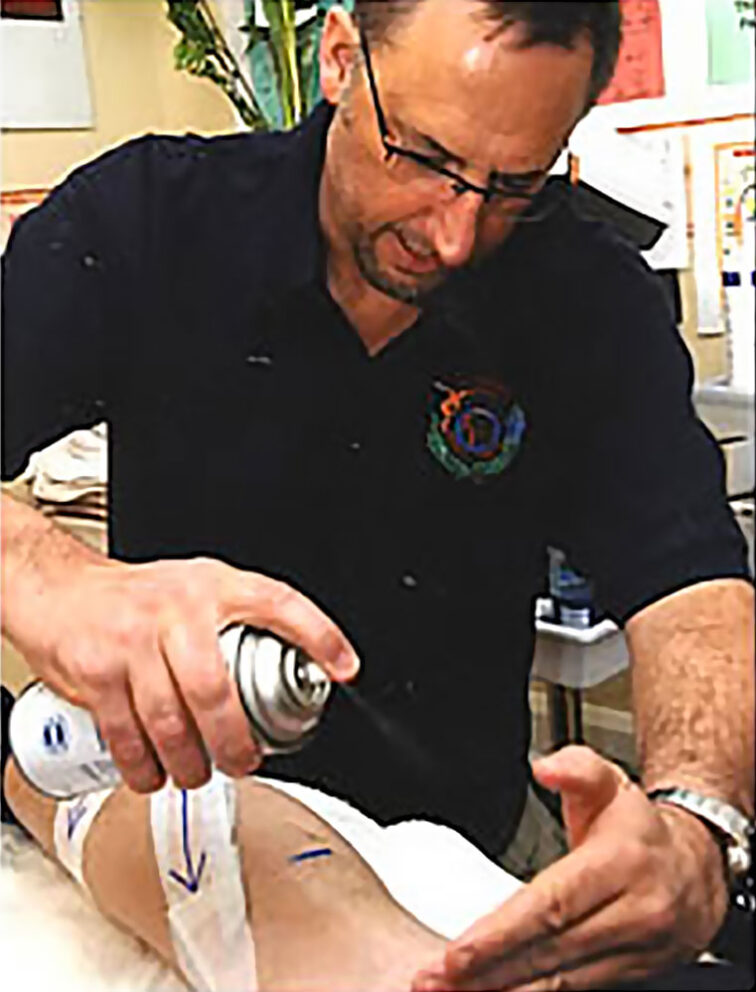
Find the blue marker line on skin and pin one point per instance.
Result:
(316, 852)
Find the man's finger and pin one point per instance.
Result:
(619, 966)
(587, 782)
(579, 769)
(168, 725)
(569, 891)
(277, 607)
(194, 657)
(126, 739)
(607, 972)
(620, 924)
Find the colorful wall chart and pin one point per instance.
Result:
(736, 245)
(640, 69)
(735, 166)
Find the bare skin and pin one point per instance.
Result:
(693, 663)
(137, 645)
(326, 924)
(385, 226)
(643, 886)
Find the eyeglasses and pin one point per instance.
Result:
(427, 172)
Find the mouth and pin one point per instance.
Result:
(410, 262)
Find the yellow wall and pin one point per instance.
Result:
(134, 89)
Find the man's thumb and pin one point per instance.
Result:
(587, 784)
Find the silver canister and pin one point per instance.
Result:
(59, 750)
(283, 691)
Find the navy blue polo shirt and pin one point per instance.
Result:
(175, 288)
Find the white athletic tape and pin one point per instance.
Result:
(198, 862)
(73, 819)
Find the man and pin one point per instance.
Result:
(371, 362)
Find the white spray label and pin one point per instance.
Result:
(57, 745)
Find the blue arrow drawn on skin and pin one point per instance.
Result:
(75, 814)
(192, 881)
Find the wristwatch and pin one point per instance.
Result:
(734, 941)
(733, 831)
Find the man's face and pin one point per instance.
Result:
(452, 89)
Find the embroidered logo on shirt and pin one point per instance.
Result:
(476, 428)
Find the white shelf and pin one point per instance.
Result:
(577, 658)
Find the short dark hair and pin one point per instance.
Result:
(553, 22)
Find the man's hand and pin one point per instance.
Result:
(642, 888)
(137, 645)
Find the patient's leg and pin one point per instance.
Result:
(119, 862)
(320, 923)
(328, 916)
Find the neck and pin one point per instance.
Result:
(374, 316)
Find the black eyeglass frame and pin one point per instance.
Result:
(460, 185)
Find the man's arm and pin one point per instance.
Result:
(138, 646)
(644, 884)
(693, 689)
(35, 552)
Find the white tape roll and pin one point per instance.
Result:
(73, 819)
(200, 871)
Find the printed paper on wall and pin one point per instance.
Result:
(640, 69)
(731, 35)
(39, 10)
(735, 166)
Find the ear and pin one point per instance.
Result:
(338, 48)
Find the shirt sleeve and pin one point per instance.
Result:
(641, 498)
(72, 274)
(54, 324)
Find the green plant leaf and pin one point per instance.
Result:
(308, 44)
(283, 44)
(263, 73)
(282, 57)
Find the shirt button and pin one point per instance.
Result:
(264, 360)
(409, 581)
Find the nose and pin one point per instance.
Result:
(456, 228)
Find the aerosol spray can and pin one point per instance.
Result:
(59, 749)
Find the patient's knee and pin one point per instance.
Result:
(33, 811)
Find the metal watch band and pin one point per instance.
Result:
(733, 828)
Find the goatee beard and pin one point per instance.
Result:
(411, 293)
